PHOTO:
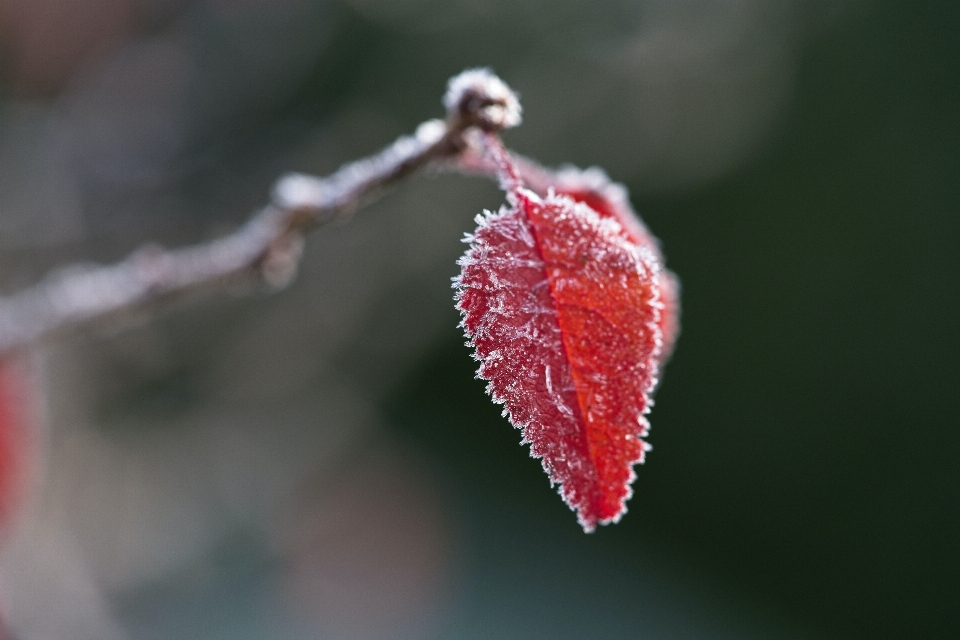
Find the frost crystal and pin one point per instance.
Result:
(499, 107)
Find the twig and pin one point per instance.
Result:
(268, 247)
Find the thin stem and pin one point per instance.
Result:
(507, 171)
(268, 247)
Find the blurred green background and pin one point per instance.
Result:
(806, 432)
(800, 163)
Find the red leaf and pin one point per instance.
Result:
(563, 308)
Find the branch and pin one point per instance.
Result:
(268, 247)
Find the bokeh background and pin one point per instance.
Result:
(321, 462)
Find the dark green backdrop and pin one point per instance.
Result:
(807, 431)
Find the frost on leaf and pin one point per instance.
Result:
(610, 200)
(562, 304)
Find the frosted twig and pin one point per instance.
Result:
(268, 247)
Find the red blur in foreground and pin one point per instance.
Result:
(14, 439)
(570, 313)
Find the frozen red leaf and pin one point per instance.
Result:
(562, 305)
